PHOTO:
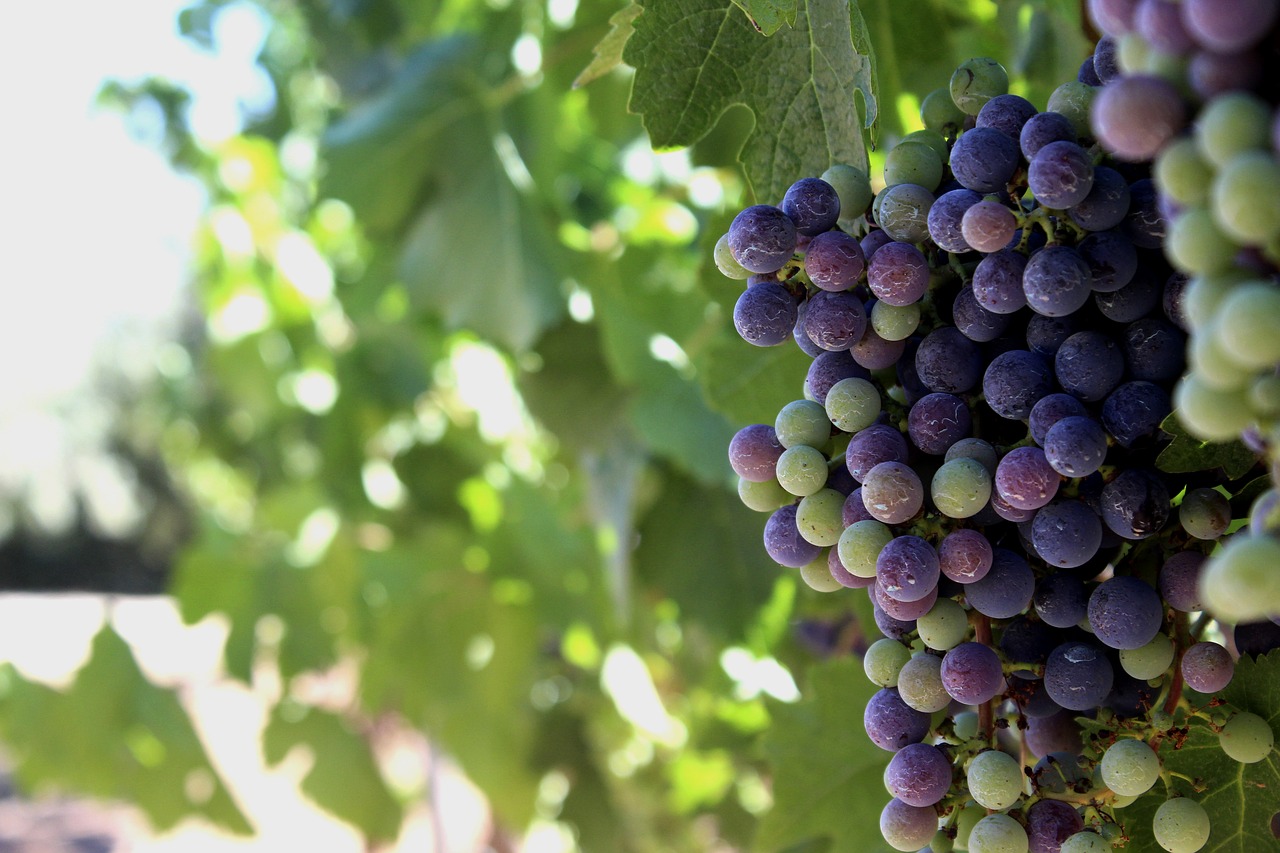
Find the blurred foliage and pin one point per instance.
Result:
(457, 416)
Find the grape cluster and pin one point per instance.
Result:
(995, 337)
(1189, 87)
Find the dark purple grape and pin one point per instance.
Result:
(1007, 114)
(1178, 581)
(1207, 667)
(1107, 203)
(965, 556)
(945, 216)
(894, 629)
(813, 205)
(1125, 612)
(904, 610)
(1132, 302)
(1066, 533)
(1005, 590)
(1134, 116)
(1025, 479)
(937, 421)
(1075, 446)
(1173, 300)
(873, 445)
(828, 369)
(891, 723)
(1042, 129)
(898, 274)
(1046, 334)
(997, 281)
(1029, 641)
(765, 314)
(783, 542)
(754, 452)
(1135, 410)
(1131, 697)
(875, 353)
(1050, 409)
(853, 510)
(1014, 381)
(834, 261)
(1078, 676)
(972, 673)
(907, 568)
(873, 241)
(1154, 350)
(948, 361)
(1211, 74)
(919, 774)
(835, 321)
(1256, 638)
(1111, 258)
(984, 159)
(1061, 600)
(1057, 281)
(1145, 224)
(1051, 822)
(762, 238)
(1061, 175)
(1106, 60)
(1053, 733)
(1089, 365)
(1135, 504)
(975, 322)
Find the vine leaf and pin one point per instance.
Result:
(608, 52)
(768, 16)
(696, 58)
(1186, 453)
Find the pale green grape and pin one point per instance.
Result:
(944, 626)
(726, 262)
(802, 422)
(1246, 198)
(802, 470)
(995, 779)
(853, 404)
(819, 517)
(1183, 174)
(932, 138)
(860, 544)
(853, 186)
(1197, 244)
(1150, 661)
(1247, 738)
(966, 725)
(817, 575)
(1240, 583)
(1130, 767)
(1208, 413)
(1231, 123)
(965, 822)
(961, 488)
(883, 661)
(895, 322)
(998, 833)
(1181, 825)
(1213, 365)
(920, 683)
(1074, 100)
(1086, 842)
(1247, 323)
(913, 163)
(763, 497)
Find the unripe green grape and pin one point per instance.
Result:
(1213, 365)
(1181, 825)
(1208, 413)
(995, 779)
(944, 626)
(1205, 293)
(819, 517)
(977, 81)
(817, 575)
(802, 422)
(1197, 245)
(1231, 123)
(1074, 100)
(853, 186)
(961, 488)
(1170, 66)
(1204, 513)
(1240, 582)
(903, 212)
(1182, 173)
(726, 262)
(883, 661)
(1161, 720)
(998, 833)
(1130, 767)
(853, 404)
(940, 114)
(1086, 842)
(1247, 324)
(802, 470)
(763, 497)
(942, 843)
(1247, 738)
(965, 822)
(1246, 198)
(933, 139)
(860, 544)
(895, 322)
(1150, 661)
(913, 163)
(977, 449)
(1264, 396)
(1132, 51)
(920, 684)
(965, 725)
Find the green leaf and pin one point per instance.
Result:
(767, 16)
(343, 778)
(1186, 453)
(1240, 798)
(826, 771)
(696, 58)
(115, 735)
(750, 384)
(608, 52)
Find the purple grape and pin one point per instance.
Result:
(1057, 281)
(907, 611)
(948, 361)
(783, 542)
(835, 321)
(1029, 641)
(894, 629)
(1207, 667)
(1053, 733)
(1006, 590)
(853, 511)
(1050, 409)
(984, 159)
(1135, 116)
(1135, 410)
(1089, 365)
(937, 421)
(1046, 334)
(975, 322)
(1061, 175)
(873, 445)
(842, 575)
(1014, 381)
(1178, 581)
(1075, 446)
(813, 205)
(892, 492)
(898, 274)
(1066, 534)
(1007, 114)
(1132, 302)
(1211, 73)
(1113, 17)
(1111, 258)
(873, 241)
(919, 774)
(765, 314)
(1025, 479)
(1154, 350)
(972, 673)
(891, 723)
(762, 238)
(1042, 129)
(965, 556)
(945, 217)
(1061, 600)
(1145, 224)
(907, 827)
(1051, 822)
(754, 452)
(1106, 60)
(1078, 676)
(1107, 203)
(1125, 612)
(828, 369)
(1135, 505)
(875, 353)
(1228, 26)
(834, 261)
(907, 568)
(997, 281)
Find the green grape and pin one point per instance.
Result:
(920, 683)
(1195, 243)
(802, 470)
(802, 422)
(998, 833)
(817, 575)
(895, 322)
(763, 497)
(1181, 825)
(883, 661)
(1085, 842)
(1247, 738)
(942, 843)
(726, 263)
(995, 779)
(1170, 66)
(961, 488)
(1074, 100)
(913, 163)
(966, 725)
(1182, 174)
(1132, 52)
(1204, 513)
(853, 404)
(1264, 396)
(1213, 365)
(903, 212)
(1247, 322)
(944, 626)
(1231, 123)
(974, 448)
(940, 114)
(819, 517)
(1150, 661)
(1240, 582)
(1245, 197)
(1205, 293)
(1208, 413)
(1161, 720)
(1130, 767)
(965, 822)
(860, 544)
(977, 81)
(853, 186)
(933, 139)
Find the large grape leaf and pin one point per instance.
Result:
(1241, 799)
(768, 16)
(696, 58)
(826, 771)
(608, 52)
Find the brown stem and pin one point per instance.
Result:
(986, 711)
